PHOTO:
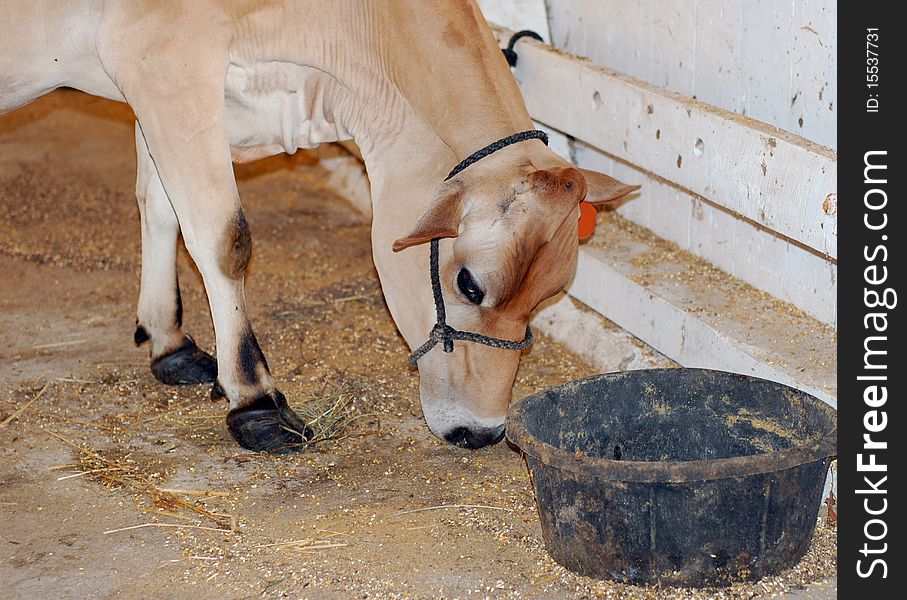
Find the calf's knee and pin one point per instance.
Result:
(236, 247)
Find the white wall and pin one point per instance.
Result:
(772, 60)
(518, 14)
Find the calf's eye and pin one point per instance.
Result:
(469, 288)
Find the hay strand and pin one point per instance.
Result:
(25, 406)
(195, 492)
(116, 475)
(450, 506)
(304, 544)
(58, 344)
(331, 412)
(177, 525)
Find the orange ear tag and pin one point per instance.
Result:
(586, 220)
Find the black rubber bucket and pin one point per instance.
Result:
(685, 477)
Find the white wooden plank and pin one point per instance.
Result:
(808, 281)
(805, 280)
(661, 207)
(690, 341)
(711, 325)
(557, 141)
(811, 285)
(601, 343)
(713, 234)
(769, 176)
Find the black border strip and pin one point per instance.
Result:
(869, 121)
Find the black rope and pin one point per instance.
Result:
(445, 334)
(532, 134)
(442, 332)
(509, 52)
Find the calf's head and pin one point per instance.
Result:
(510, 243)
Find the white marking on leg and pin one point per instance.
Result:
(159, 293)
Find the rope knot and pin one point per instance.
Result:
(444, 334)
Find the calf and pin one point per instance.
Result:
(418, 85)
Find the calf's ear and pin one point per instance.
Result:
(602, 190)
(440, 220)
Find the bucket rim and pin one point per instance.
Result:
(823, 448)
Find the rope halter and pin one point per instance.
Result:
(442, 332)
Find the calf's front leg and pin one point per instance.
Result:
(175, 358)
(190, 151)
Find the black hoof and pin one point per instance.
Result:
(187, 365)
(268, 424)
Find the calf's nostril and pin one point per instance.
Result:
(458, 437)
(467, 438)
